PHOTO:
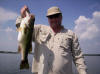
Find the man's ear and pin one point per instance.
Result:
(61, 16)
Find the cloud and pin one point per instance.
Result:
(8, 29)
(7, 15)
(8, 39)
(88, 30)
(8, 36)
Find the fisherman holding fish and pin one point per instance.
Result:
(55, 46)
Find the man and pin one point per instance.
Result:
(55, 46)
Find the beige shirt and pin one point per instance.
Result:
(54, 53)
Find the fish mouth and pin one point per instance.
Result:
(18, 29)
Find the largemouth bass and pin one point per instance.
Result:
(25, 31)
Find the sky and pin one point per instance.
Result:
(81, 16)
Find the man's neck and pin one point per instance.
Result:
(57, 29)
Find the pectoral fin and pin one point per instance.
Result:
(19, 48)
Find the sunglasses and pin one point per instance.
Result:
(54, 16)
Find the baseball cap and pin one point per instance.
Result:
(52, 11)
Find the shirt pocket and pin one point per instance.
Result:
(66, 42)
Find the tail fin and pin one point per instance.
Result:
(24, 65)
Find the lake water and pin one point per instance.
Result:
(9, 64)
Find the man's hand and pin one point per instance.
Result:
(23, 14)
(23, 11)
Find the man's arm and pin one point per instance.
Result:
(78, 57)
(23, 14)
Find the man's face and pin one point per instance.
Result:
(55, 20)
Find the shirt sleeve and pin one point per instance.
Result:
(36, 33)
(78, 57)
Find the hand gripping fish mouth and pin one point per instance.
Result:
(25, 31)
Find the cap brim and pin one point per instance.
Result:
(53, 14)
